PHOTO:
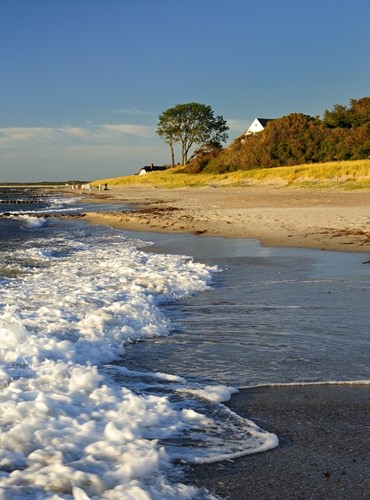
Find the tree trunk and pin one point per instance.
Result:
(172, 155)
(184, 155)
(172, 151)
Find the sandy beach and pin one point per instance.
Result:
(322, 219)
(323, 429)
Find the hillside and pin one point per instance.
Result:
(295, 149)
(354, 174)
(295, 139)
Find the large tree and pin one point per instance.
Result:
(191, 124)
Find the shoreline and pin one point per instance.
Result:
(322, 428)
(290, 217)
(323, 447)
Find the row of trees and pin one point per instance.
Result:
(342, 134)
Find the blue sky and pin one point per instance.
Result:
(82, 82)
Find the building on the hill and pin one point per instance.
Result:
(151, 168)
(258, 125)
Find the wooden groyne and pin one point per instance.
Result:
(21, 197)
(20, 202)
(8, 196)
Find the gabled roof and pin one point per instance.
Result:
(264, 121)
(152, 168)
(257, 125)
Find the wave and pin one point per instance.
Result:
(75, 421)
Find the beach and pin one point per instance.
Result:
(323, 429)
(104, 330)
(291, 217)
(323, 448)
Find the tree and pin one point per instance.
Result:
(189, 125)
(168, 130)
(360, 111)
(339, 116)
(356, 115)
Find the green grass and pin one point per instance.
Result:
(349, 175)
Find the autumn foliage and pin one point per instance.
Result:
(342, 134)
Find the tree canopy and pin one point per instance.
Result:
(354, 116)
(191, 124)
(342, 134)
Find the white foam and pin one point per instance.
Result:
(216, 393)
(30, 221)
(69, 425)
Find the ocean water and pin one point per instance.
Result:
(272, 316)
(116, 355)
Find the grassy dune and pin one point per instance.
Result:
(341, 174)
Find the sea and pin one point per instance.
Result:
(119, 350)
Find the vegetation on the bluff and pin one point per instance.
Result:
(295, 149)
(350, 174)
(295, 139)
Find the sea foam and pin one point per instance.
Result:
(74, 422)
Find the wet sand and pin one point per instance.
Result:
(324, 449)
(293, 217)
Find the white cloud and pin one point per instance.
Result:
(137, 130)
(9, 135)
(88, 151)
(132, 112)
(78, 132)
(99, 134)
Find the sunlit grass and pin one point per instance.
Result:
(341, 174)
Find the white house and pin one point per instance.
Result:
(151, 168)
(258, 125)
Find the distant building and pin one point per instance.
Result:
(258, 125)
(151, 168)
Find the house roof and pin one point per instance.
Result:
(264, 121)
(257, 125)
(152, 168)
